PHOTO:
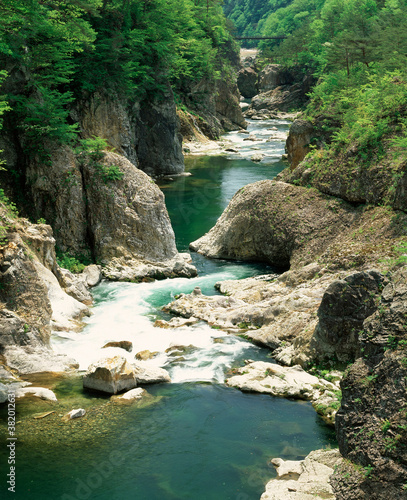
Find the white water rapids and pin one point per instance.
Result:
(127, 311)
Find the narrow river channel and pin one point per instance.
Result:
(196, 438)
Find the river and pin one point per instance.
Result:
(194, 438)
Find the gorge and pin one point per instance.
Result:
(270, 264)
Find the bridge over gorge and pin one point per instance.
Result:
(260, 37)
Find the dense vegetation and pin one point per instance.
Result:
(54, 51)
(249, 16)
(358, 51)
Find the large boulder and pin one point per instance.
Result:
(298, 141)
(272, 222)
(286, 225)
(146, 374)
(110, 375)
(131, 231)
(247, 82)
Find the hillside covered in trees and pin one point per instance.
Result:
(357, 50)
(54, 52)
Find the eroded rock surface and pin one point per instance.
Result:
(291, 226)
(131, 230)
(307, 479)
(372, 422)
(110, 375)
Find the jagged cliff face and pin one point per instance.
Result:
(217, 102)
(122, 223)
(372, 422)
(146, 132)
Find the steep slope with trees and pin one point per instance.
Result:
(110, 69)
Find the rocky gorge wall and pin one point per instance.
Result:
(340, 227)
(212, 106)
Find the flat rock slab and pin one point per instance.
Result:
(306, 479)
(276, 380)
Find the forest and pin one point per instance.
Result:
(54, 51)
(357, 51)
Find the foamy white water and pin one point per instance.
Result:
(271, 135)
(127, 311)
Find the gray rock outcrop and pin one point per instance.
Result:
(264, 223)
(147, 133)
(131, 231)
(123, 223)
(298, 141)
(247, 82)
(286, 225)
(371, 424)
(344, 307)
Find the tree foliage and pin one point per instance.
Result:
(55, 50)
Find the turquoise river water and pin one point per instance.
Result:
(194, 438)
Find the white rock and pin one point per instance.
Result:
(311, 477)
(35, 359)
(110, 375)
(92, 274)
(80, 412)
(257, 157)
(287, 469)
(65, 309)
(39, 392)
(269, 378)
(137, 393)
(150, 374)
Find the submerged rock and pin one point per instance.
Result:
(39, 392)
(80, 412)
(110, 375)
(131, 395)
(307, 479)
